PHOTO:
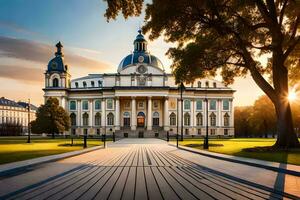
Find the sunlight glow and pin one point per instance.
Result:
(292, 96)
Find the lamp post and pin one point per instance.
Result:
(181, 88)
(28, 107)
(177, 124)
(205, 145)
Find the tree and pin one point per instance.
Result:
(241, 121)
(228, 36)
(51, 118)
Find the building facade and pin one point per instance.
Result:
(16, 113)
(140, 99)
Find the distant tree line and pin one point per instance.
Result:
(259, 120)
(11, 129)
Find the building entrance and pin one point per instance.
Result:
(141, 119)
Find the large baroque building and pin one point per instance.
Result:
(140, 99)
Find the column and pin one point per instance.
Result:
(204, 107)
(192, 116)
(232, 113)
(149, 114)
(133, 113)
(179, 115)
(117, 127)
(103, 117)
(79, 113)
(166, 114)
(219, 111)
(91, 113)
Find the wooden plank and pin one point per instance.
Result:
(165, 189)
(140, 157)
(128, 192)
(117, 191)
(153, 190)
(140, 186)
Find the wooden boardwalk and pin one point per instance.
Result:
(140, 171)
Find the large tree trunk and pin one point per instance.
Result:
(287, 137)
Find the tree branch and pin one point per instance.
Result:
(282, 12)
(291, 47)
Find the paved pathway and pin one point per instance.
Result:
(137, 169)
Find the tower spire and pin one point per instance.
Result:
(59, 47)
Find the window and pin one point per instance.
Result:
(199, 118)
(84, 84)
(199, 105)
(98, 131)
(199, 131)
(109, 104)
(213, 131)
(140, 105)
(155, 119)
(97, 119)
(206, 84)
(97, 105)
(187, 104)
(215, 84)
(225, 131)
(76, 84)
(92, 83)
(85, 117)
(199, 84)
(155, 104)
(55, 82)
(212, 119)
(212, 105)
(126, 118)
(100, 83)
(226, 119)
(172, 119)
(225, 104)
(187, 119)
(73, 119)
(85, 105)
(72, 105)
(110, 119)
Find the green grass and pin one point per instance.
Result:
(16, 149)
(237, 147)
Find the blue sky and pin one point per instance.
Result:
(29, 29)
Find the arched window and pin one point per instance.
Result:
(206, 84)
(199, 84)
(199, 118)
(172, 119)
(85, 105)
(55, 82)
(187, 119)
(155, 118)
(215, 84)
(76, 84)
(126, 118)
(97, 119)
(92, 83)
(84, 84)
(73, 119)
(110, 119)
(226, 119)
(100, 83)
(97, 105)
(85, 118)
(213, 121)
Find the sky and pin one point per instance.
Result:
(29, 30)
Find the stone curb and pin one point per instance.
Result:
(241, 160)
(15, 167)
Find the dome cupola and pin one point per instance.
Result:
(57, 63)
(140, 44)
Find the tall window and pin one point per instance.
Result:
(110, 119)
(199, 118)
(84, 84)
(76, 84)
(109, 104)
(215, 84)
(85, 118)
(85, 105)
(225, 104)
(213, 119)
(199, 84)
(213, 105)
(55, 82)
(92, 83)
(72, 105)
(97, 119)
(126, 118)
(100, 83)
(187, 104)
(73, 119)
(172, 119)
(155, 119)
(206, 84)
(187, 119)
(226, 119)
(199, 104)
(97, 105)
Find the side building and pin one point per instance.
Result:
(140, 99)
(14, 117)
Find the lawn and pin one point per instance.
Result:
(238, 147)
(16, 149)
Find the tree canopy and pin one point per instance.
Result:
(230, 37)
(51, 118)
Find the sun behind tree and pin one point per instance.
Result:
(51, 118)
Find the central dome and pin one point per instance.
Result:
(140, 55)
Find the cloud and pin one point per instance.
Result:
(20, 73)
(42, 53)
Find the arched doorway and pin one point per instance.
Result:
(141, 119)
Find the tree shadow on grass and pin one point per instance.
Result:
(198, 146)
